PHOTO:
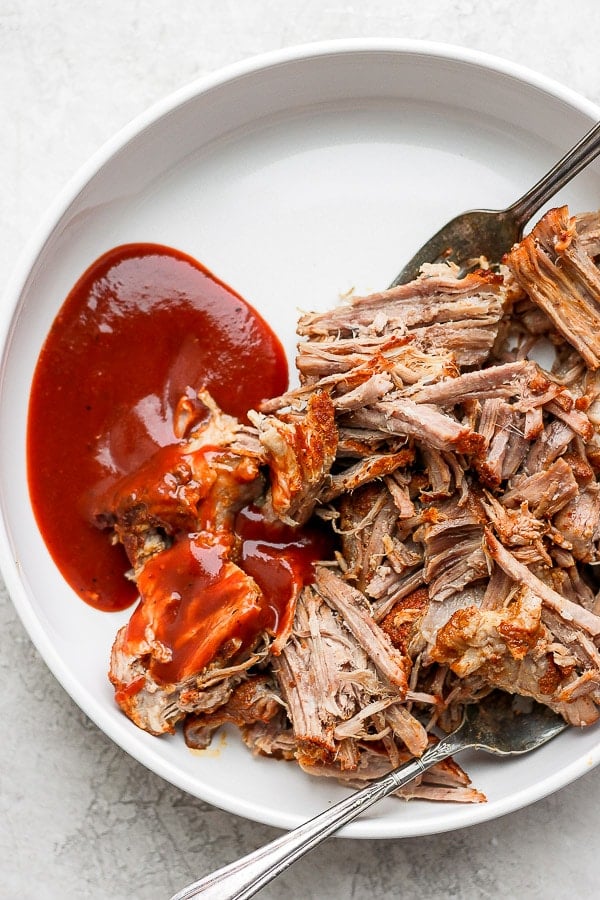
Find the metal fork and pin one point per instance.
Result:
(498, 725)
(490, 233)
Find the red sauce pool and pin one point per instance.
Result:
(142, 327)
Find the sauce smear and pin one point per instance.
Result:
(144, 326)
(197, 596)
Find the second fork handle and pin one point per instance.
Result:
(578, 157)
(242, 879)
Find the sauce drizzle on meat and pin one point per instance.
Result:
(205, 597)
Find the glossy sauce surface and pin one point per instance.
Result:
(144, 326)
(279, 558)
(199, 600)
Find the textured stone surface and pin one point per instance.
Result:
(78, 817)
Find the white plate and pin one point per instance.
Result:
(294, 177)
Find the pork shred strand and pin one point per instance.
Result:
(459, 478)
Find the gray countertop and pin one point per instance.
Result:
(79, 818)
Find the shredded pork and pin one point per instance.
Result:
(460, 479)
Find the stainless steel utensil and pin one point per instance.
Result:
(497, 725)
(490, 233)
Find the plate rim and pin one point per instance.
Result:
(11, 296)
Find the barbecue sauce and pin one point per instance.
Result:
(210, 595)
(143, 327)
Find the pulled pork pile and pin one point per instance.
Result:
(461, 480)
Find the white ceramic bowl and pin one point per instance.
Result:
(294, 177)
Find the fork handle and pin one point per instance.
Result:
(577, 158)
(245, 877)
